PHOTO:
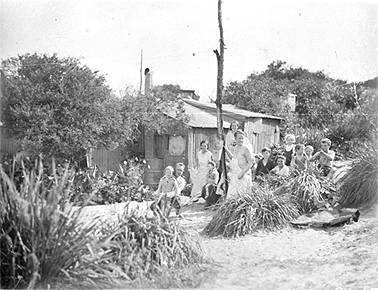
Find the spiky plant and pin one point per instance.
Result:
(307, 189)
(140, 248)
(359, 185)
(40, 235)
(251, 211)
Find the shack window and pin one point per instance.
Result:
(177, 145)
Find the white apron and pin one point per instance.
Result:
(236, 185)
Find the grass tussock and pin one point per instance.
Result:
(40, 235)
(138, 248)
(359, 185)
(307, 190)
(45, 241)
(259, 209)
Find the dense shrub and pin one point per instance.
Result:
(111, 187)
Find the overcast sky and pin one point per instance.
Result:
(178, 37)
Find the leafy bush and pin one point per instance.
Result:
(359, 185)
(259, 209)
(111, 187)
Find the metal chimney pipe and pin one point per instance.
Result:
(148, 81)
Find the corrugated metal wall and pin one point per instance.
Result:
(107, 160)
(262, 132)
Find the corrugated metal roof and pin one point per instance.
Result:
(229, 110)
(201, 119)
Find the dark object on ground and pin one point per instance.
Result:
(327, 218)
(212, 198)
(187, 190)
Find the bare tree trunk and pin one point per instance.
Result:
(220, 61)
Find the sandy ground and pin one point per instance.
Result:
(336, 258)
(339, 258)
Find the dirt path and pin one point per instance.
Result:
(337, 258)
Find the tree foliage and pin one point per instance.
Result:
(60, 107)
(340, 110)
(159, 110)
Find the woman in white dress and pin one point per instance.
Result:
(230, 136)
(203, 158)
(241, 163)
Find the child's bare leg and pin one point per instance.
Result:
(206, 191)
(163, 203)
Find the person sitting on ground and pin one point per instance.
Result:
(215, 193)
(281, 169)
(299, 161)
(325, 158)
(309, 150)
(181, 183)
(168, 191)
(265, 165)
(212, 178)
(289, 148)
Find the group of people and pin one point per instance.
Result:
(243, 167)
(295, 157)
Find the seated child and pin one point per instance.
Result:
(281, 169)
(181, 182)
(212, 178)
(300, 160)
(167, 190)
(265, 165)
(216, 193)
(325, 157)
(309, 150)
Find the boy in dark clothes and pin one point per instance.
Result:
(265, 165)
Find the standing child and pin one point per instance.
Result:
(168, 191)
(300, 160)
(325, 157)
(289, 148)
(281, 169)
(265, 165)
(309, 150)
